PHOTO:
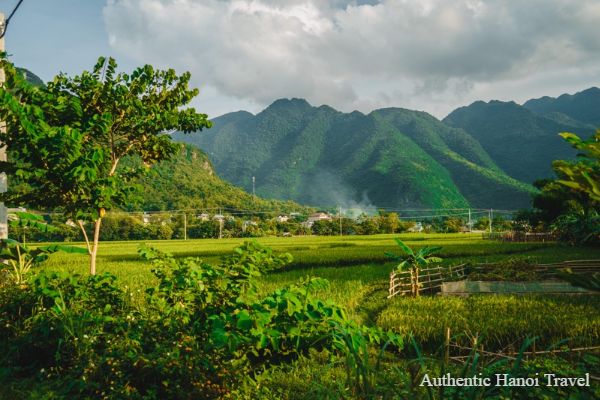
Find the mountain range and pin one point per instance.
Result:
(485, 155)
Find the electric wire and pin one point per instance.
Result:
(7, 20)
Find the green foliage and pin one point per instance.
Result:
(584, 175)
(66, 139)
(500, 320)
(581, 227)
(20, 258)
(570, 204)
(453, 225)
(201, 330)
(188, 181)
(31, 77)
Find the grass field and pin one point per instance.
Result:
(358, 271)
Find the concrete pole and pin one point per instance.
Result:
(340, 213)
(470, 222)
(184, 226)
(3, 180)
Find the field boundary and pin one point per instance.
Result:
(511, 236)
(430, 279)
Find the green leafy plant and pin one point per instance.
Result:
(200, 331)
(20, 257)
(414, 261)
(584, 175)
(67, 139)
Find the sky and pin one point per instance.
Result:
(429, 55)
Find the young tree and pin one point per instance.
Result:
(66, 140)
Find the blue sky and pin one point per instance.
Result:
(50, 36)
(430, 55)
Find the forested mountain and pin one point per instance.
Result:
(388, 158)
(521, 142)
(188, 181)
(582, 107)
(31, 77)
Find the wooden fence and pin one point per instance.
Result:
(430, 279)
(453, 351)
(549, 270)
(577, 266)
(511, 236)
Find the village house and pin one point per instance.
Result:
(318, 216)
(203, 217)
(282, 218)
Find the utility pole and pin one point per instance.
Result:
(340, 214)
(3, 180)
(184, 226)
(220, 224)
(490, 218)
(470, 222)
(253, 188)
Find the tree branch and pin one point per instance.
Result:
(85, 236)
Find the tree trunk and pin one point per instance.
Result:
(94, 247)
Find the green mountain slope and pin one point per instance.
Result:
(189, 182)
(477, 177)
(583, 107)
(31, 77)
(521, 143)
(388, 158)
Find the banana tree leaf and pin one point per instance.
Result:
(392, 256)
(31, 223)
(28, 216)
(404, 247)
(53, 248)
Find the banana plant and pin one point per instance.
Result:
(414, 261)
(20, 258)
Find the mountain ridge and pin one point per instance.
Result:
(391, 157)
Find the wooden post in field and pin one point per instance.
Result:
(3, 180)
(447, 346)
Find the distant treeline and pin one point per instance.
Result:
(165, 227)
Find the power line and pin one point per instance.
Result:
(7, 20)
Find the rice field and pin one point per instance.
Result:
(358, 271)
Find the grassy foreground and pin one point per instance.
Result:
(358, 272)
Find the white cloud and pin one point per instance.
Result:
(432, 55)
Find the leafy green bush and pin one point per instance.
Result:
(579, 227)
(201, 329)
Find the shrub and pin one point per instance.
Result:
(201, 329)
